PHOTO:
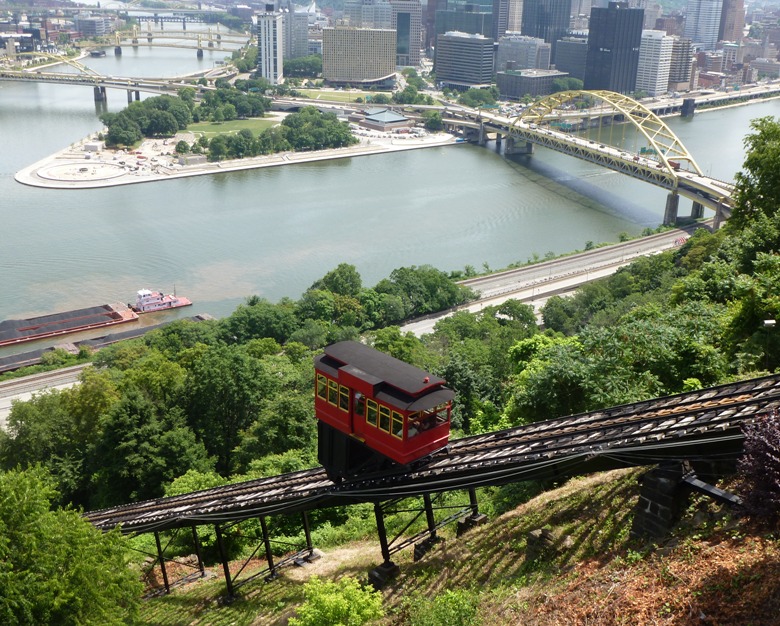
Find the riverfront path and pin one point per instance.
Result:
(78, 167)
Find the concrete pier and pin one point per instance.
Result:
(672, 205)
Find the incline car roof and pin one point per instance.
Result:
(392, 371)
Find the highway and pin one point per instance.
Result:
(536, 283)
(24, 388)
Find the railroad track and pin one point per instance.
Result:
(697, 425)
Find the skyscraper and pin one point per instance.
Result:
(500, 18)
(403, 16)
(655, 58)
(546, 19)
(732, 21)
(680, 67)
(270, 46)
(702, 23)
(464, 59)
(407, 22)
(613, 48)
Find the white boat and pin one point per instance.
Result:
(148, 301)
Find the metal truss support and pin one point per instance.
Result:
(423, 540)
(387, 570)
(296, 556)
(196, 542)
(225, 565)
(162, 562)
(269, 556)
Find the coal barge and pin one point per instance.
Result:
(19, 331)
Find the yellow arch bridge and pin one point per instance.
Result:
(622, 135)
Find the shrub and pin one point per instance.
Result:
(342, 603)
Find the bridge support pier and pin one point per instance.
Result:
(117, 51)
(100, 94)
(499, 138)
(199, 54)
(511, 147)
(129, 96)
(482, 134)
(718, 219)
(697, 211)
(672, 204)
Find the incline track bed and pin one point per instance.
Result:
(704, 424)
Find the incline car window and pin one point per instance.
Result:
(371, 412)
(398, 425)
(333, 392)
(343, 398)
(322, 387)
(384, 418)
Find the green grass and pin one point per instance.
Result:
(340, 96)
(210, 129)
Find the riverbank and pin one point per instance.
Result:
(82, 166)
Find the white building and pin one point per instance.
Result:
(270, 46)
(702, 23)
(655, 60)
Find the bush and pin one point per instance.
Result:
(342, 603)
(759, 468)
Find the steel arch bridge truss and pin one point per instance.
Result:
(664, 145)
(80, 67)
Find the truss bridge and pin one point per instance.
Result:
(611, 130)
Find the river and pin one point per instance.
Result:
(272, 232)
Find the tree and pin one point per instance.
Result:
(433, 120)
(344, 280)
(758, 184)
(139, 452)
(342, 603)
(55, 567)
(182, 147)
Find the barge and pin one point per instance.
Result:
(18, 331)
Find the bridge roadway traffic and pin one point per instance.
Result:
(695, 426)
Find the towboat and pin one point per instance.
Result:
(148, 301)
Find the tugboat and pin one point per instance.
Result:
(148, 301)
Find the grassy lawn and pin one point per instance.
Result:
(340, 96)
(210, 129)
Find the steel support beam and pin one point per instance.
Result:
(225, 565)
(196, 542)
(162, 562)
(269, 557)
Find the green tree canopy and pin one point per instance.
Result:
(55, 567)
